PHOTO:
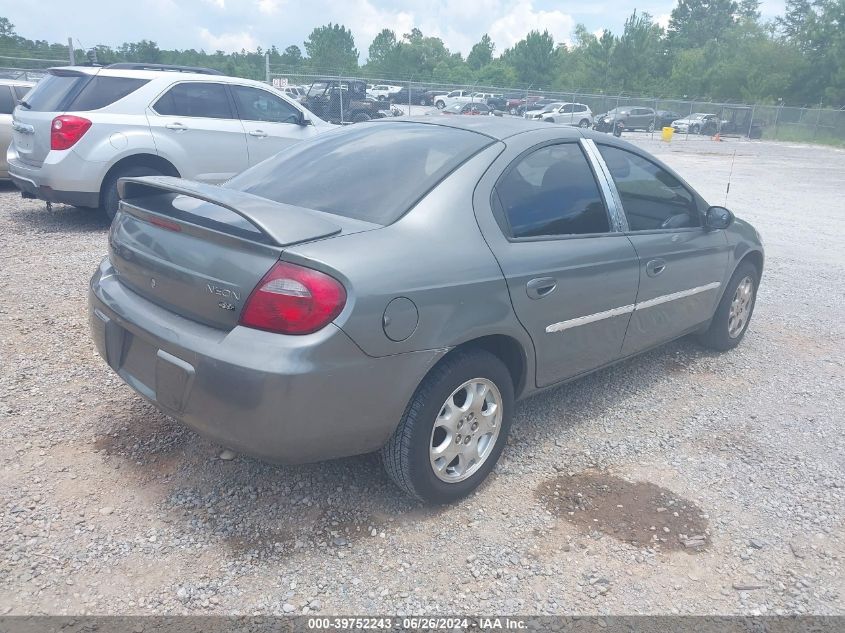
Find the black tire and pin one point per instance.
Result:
(514, 111)
(695, 129)
(717, 336)
(109, 196)
(360, 117)
(584, 124)
(650, 127)
(440, 104)
(406, 454)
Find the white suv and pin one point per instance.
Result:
(566, 113)
(81, 128)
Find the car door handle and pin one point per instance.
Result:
(178, 127)
(655, 267)
(258, 133)
(540, 287)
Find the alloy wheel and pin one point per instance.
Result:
(740, 307)
(466, 429)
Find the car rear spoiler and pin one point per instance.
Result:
(282, 224)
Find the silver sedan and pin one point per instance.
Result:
(315, 307)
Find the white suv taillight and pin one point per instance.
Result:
(66, 130)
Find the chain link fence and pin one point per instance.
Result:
(776, 122)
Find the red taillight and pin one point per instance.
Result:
(66, 130)
(292, 299)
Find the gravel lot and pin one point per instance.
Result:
(730, 469)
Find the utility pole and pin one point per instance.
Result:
(71, 54)
(267, 67)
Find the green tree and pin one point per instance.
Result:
(292, 57)
(532, 58)
(332, 48)
(481, 53)
(383, 49)
(693, 23)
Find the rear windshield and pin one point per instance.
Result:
(369, 171)
(79, 92)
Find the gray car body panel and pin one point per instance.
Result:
(442, 275)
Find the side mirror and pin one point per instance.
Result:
(718, 218)
(304, 119)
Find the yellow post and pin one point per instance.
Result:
(668, 133)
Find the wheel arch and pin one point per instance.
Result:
(756, 259)
(145, 160)
(507, 349)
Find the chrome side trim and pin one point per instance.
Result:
(677, 295)
(613, 312)
(590, 318)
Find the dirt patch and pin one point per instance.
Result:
(640, 513)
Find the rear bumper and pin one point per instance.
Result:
(66, 178)
(287, 399)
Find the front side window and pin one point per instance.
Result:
(195, 99)
(567, 108)
(651, 197)
(255, 104)
(552, 191)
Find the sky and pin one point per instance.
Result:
(231, 25)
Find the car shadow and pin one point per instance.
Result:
(269, 511)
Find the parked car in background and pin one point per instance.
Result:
(566, 113)
(536, 106)
(339, 101)
(11, 93)
(538, 114)
(697, 123)
(82, 128)
(498, 102)
(456, 96)
(515, 103)
(665, 118)
(382, 92)
(297, 93)
(430, 96)
(468, 108)
(414, 96)
(631, 118)
(248, 312)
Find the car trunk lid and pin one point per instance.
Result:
(198, 250)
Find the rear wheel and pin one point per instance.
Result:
(585, 123)
(440, 105)
(109, 196)
(695, 129)
(360, 117)
(733, 314)
(453, 430)
(650, 127)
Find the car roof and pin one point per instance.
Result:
(103, 71)
(495, 127)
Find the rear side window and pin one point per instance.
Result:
(102, 91)
(195, 99)
(53, 90)
(552, 191)
(7, 100)
(377, 171)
